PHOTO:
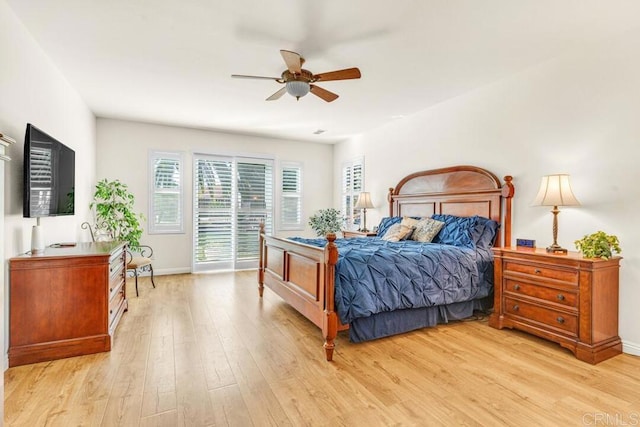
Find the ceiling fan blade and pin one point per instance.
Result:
(242, 76)
(323, 93)
(277, 95)
(346, 74)
(293, 60)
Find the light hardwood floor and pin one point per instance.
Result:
(205, 350)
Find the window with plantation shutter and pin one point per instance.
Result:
(166, 188)
(291, 197)
(352, 185)
(232, 196)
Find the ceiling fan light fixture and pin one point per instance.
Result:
(297, 88)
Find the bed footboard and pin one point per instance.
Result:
(303, 276)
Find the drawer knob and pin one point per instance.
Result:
(560, 319)
(537, 271)
(110, 311)
(110, 289)
(560, 297)
(516, 307)
(516, 287)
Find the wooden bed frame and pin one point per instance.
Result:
(304, 275)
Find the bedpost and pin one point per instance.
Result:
(390, 200)
(330, 318)
(261, 261)
(508, 191)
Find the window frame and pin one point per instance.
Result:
(350, 195)
(154, 228)
(282, 225)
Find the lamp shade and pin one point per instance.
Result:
(297, 88)
(555, 190)
(364, 201)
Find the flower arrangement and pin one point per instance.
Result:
(598, 245)
(326, 221)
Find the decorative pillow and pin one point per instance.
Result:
(426, 230)
(484, 233)
(387, 222)
(397, 232)
(456, 231)
(410, 222)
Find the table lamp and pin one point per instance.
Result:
(555, 190)
(364, 202)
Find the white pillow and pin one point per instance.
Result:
(426, 230)
(397, 232)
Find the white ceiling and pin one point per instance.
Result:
(170, 61)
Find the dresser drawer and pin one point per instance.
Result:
(537, 314)
(116, 263)
(115, 304)
(116, 285)
(559, 296)
(544, 272)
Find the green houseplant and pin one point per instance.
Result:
(326, 221)
(115, 215)
(598, 245)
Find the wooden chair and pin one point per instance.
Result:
(138, 261)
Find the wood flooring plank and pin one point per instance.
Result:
(193, 404)
(217, 370)
(165, 419)
(159, 394)
(125, 400)
(264, 407)
(229, 407)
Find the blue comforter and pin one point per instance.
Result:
(374, 275)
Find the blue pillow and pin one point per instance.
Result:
(387, 222)
(457, 230)
(485, 231)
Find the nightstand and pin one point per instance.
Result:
(567, 299)
(348, 234)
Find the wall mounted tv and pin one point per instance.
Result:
(49, 175)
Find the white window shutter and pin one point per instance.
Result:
(291, 197)
(166, 192)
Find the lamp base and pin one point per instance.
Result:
(557, 249)
(37, 240)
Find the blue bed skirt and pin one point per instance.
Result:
(396, 322)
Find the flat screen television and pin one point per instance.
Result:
(49, 175)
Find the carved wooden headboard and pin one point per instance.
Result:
(456, 190)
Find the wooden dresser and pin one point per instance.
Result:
(567, 299)
(66, 301)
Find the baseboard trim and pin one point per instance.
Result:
(631, 348)
(168, 271)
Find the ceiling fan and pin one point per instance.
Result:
(298, 82)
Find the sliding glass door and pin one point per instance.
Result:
(231, 197)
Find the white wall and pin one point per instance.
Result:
(122, 153)
(32, 89)
(577, 114)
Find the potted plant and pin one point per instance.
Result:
(326, 221)
(115, 215)
(598, 245)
